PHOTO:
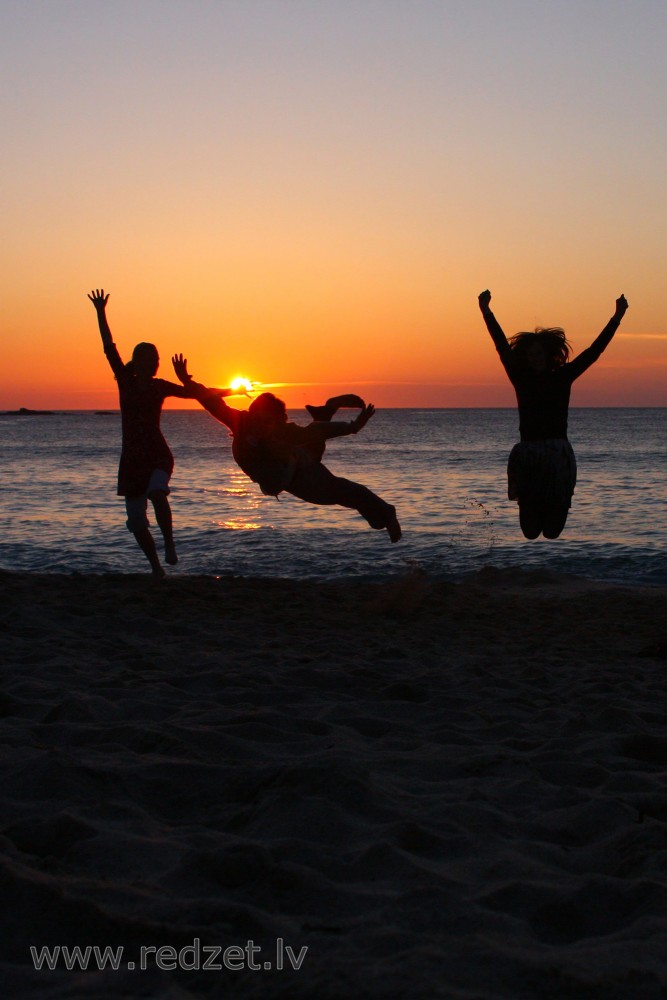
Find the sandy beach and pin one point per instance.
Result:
(435, 789)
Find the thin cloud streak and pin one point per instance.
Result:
(388, 382)
(642, 336)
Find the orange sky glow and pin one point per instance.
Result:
(312, 195)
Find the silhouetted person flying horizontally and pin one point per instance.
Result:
(542, 469)
(281, 455)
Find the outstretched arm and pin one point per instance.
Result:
(584, 360)
(210, 399)
(493, 326)
(99, 300)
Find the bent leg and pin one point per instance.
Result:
(333, 404)
(314, 483)
(165, 523)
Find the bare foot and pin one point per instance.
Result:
(170, 553)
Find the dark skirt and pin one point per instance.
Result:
(542, 473)
(137, 464)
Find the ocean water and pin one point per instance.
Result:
(443, 469)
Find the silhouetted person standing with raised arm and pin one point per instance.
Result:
(146, 462)
(542, 470)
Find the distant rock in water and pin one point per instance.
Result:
(23, 411)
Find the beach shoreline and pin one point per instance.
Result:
(439, 789)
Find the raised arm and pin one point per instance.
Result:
(99, 300)
(493, 326)
(211, 399)
(590, 355)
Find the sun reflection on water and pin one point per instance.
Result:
(241, 490)
(238, 524)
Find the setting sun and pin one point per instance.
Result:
(241, 384)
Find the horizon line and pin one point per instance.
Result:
(53, 411)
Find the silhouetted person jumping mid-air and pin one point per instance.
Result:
(280, 455)
(146, 462)
(542, 469)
